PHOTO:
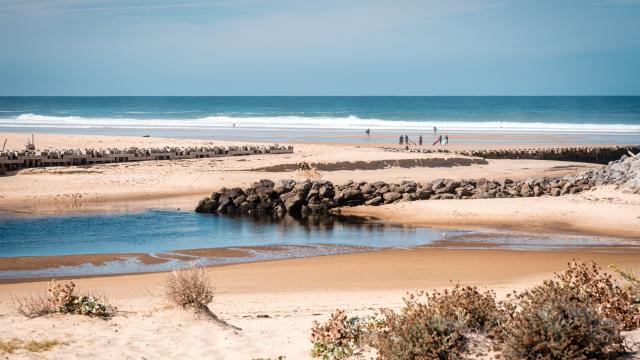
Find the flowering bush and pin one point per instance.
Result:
(337, 338)
(65, 301)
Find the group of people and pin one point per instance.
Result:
(404, 139)
(442, 140)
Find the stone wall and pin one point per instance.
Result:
(303, 198)
(589, 154)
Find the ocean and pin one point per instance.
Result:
(207, 116)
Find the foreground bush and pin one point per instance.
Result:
(553, 323)
(578, 314)
(338, 337)
(479, 310)
(590, 284)
(419, 332)
(61, 298)
(190, 288)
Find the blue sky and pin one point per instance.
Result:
(330, 47)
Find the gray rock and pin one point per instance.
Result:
(391, 197)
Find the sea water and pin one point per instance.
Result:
(233, 117)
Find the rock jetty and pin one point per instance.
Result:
(590, 154)
(304, 198)
(14, 160)
(624, 173)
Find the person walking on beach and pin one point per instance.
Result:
(446, 139)
(435, 131)
(420, 140)
(368, 131)
(401, 139)
(406, 139)
(438, 141)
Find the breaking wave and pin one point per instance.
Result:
(301, 122)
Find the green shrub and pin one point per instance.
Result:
(419, 331)
(591, 284)
(61, 298)
(480, 310)
(554, 323)
(66, 301)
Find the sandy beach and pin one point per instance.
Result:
(275, 302)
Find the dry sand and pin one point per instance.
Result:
(604, 212)
(274, 303)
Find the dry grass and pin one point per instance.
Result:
(34, 305)
(190, 288)
(11, 345)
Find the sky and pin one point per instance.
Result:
(329, 47)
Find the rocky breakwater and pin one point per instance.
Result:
(304, 198)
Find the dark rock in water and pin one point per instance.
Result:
(235, 192)
(245, 207)
(279, 211)
(293, 202)
(239, 200)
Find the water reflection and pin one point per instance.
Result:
(162, 230)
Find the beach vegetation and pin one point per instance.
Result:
(577, 314)
(552, 322)
(190, 287)
(339, 337)
(632, 279)
(419, 331)
(62, 298)
(66, 301)
(34, 305)
(14, 344)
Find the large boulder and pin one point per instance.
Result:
(391, 197)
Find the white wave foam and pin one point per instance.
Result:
(301, 122)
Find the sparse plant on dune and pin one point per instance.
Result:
(338, 338)
(61, 298)
(34, 305)
(190, 288)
